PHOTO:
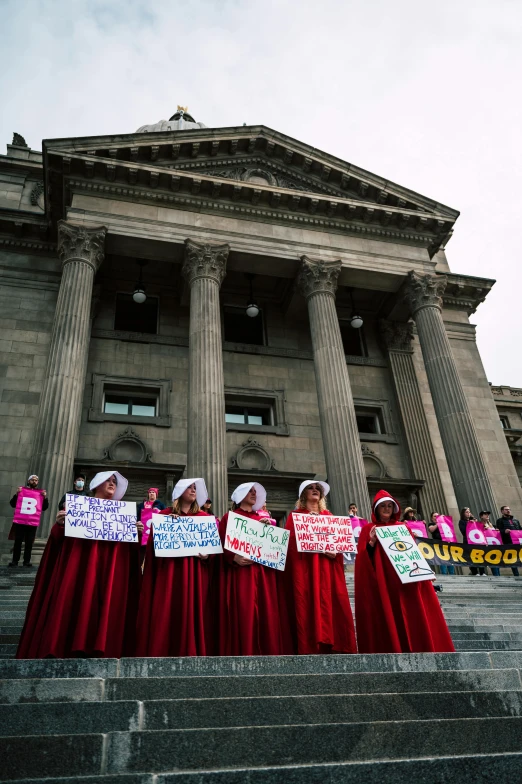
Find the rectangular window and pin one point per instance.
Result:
(130, 316)
(354, 342)
(246, 415)
(369, 422)
(240, 328)
(504, 421)
(131, 404)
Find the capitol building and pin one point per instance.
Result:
(232, 303)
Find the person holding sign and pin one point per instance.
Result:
(28, 502)
(146, 509)
(251, 620)
(175, 615)
(465, 518)
(315, 588)
(433, 528)
(85, 599)
(392, 616)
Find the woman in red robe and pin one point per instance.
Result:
(251, 620)
(175, 616)
(393, 617)
(85, 598)
(315, 587)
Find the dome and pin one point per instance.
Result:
(181, 120)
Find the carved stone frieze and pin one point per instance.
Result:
(317, 277)
(396, 335)
(37, 198)
(78, 242)
(252, 456)
(424, 291)
(205, 260)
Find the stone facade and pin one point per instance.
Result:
(215, 216)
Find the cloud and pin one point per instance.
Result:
(427, 96)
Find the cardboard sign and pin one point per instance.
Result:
(417, 528)
(323, 533)
(28, 508)
(145, 518)
(516, 537)
(446, 528)
(175, 537)
(100, 519)
(404, 555)
(264, 544)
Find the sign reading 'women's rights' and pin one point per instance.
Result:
(405, 556)
(323, 533)
(263, 544)
(180, 536)
(100, 519)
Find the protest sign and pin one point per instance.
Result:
(493, 536)
(323, 533)
(417, 528)
(357, 524)
(446, 528)
(28, 509)
(263, 544)
(475, 533)
(516, 537)
(145, 518)
(470, 555)
(175, 537)
(404, 555)
(100, 519)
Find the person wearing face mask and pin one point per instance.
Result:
(315, 588)
(392, 617)
(175, 615)
(252, 620)
(78, 489)
(85, 599)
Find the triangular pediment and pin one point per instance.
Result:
(255, 166)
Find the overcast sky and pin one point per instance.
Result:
(426, 94)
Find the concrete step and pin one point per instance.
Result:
(9, 639)
(8, 649)
(476, 635)
(45, 690)
(255, 747)
(487, 645)
(11, 627)
(265, 685)
(464, 769)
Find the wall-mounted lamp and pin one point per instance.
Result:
(355, 321)
(252, 309)
(139, 296)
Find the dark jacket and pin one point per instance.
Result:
(14, 499)
(506, 524)
(156, 505)
(61, 505)
(434, 534)
(462, 528)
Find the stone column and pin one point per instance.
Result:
(204, 269)
(81, 252)
(317, 282)
(459, 437)
(397, 338)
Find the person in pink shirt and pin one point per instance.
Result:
(25, 532)
(151, 505)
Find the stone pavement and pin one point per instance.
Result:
(413, 718)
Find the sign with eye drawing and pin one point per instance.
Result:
(405, 556)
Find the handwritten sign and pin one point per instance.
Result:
(323, 533)
(404, 555)
(264, 544)
(175, 537)
(100, 519)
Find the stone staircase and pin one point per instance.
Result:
(406, 719)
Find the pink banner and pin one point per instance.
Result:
(357, 524)
(28, 508)
(475, 533)
(146, 515)
(417, 528)
(516, 537)
(446, 528)
(264, 515)
(493, 536)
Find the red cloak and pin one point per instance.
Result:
(317, 600)
(252, 621)
(175, 615)
(85, 600)
(392, 617)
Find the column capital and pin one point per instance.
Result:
(396, 335)
(424, 291)
(205, 260)
(317, 277)
(81, 243)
